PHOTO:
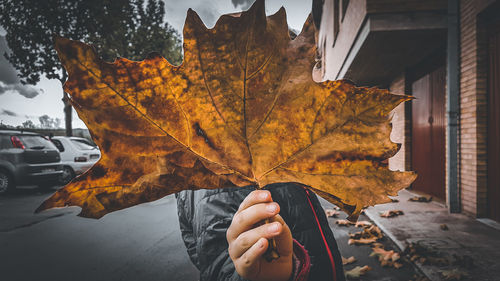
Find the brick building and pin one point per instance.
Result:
(447, 55)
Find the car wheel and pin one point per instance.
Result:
(67, 175)
(6, 182)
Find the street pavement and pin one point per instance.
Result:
(139, 243)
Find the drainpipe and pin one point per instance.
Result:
(452, 106)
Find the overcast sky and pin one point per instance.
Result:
(19, 103)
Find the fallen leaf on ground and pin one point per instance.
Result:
(369, 232)
(331, 213)
(362, 241)
(363, 224)
(444, 227)
(421, 199)
(344, 222)
(242, 109)
(391, 213)
(424, 255)
(375, 231)
(349, 260)
(357, 272)
(454, 274)
(386, 258)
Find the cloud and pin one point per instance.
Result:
(9, 81)
(24, 90)
(243, 4)
(8, 112)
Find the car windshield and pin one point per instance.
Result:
(82, 146)
(36, 142)
(87, 142)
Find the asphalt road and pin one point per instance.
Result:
(139, 243)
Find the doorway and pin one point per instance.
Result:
(428, 132)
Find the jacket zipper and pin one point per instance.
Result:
(323, 236)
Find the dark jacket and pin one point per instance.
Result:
(205, 215)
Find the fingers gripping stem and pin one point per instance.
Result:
(271, 253)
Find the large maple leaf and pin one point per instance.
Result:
(242, 109)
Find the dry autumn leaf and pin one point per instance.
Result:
(424, 199)
(369, 232)
(242, 109)
(386, 258)
(357, 272)
(331, 213)
(424, 255)
(349, 260)
(391, 213)
(344, 222)
(363, 224)
(362, 241)
(369, 235)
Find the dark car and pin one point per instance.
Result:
(27, 158)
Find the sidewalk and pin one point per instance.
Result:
(466, 239)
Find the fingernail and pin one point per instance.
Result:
(271, 208)
(261, 243)
(263, 195)
(273, 227)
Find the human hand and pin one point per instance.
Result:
(248, 240)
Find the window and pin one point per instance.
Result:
(58, 144)
(82, 146)
(84, 141)
(5, 142)
(345, 3)
(336, 21)
(336, 17)
(36, 142)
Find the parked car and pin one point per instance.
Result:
(77, 156)
(27, 158)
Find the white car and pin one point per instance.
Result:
(77, 156)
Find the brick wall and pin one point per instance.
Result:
(473, 111)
